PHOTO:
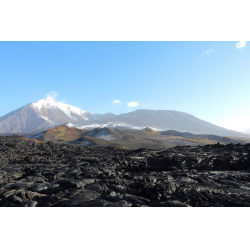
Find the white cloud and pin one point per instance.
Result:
(240, 45)
(132, 104)
(52, 94)
(117, 102)
(207, 52)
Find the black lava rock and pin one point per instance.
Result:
(61, 175)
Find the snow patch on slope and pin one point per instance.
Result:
(102, 134)
(70, 125)
(67, 109)
(114, 125)
(47, 119)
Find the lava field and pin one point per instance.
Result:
(62, 175)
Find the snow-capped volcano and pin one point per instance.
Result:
(72, 112)
(42, 114)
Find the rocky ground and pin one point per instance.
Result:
(61, 175)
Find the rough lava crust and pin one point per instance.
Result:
(60, 175)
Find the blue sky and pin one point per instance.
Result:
(210, 80)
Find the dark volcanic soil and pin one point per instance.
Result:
(59, 175)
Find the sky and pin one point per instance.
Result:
(210, 80)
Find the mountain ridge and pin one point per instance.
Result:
(121, 137)
(48, 113)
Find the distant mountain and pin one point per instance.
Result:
(247, 131)
(42, 114)
(47, 113)
(161, 120)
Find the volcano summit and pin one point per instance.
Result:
(42, 114)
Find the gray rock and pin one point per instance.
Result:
(71, 183)
(15, 199)
(136, 200)
(29, 203)
(121, 203)
(113, 196)
(39, 187)
(170, 203)
(99, 187)
(82, 196)
(94, 203)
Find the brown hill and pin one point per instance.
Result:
(122, 138)
(149, 132)
(61, 134)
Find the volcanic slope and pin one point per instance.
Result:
(43, 114)
(59, 134)
(171, 120)
(124, 138)
(119, 137)
(159, 120)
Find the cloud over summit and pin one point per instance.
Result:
(52, 94)
(132, 104)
